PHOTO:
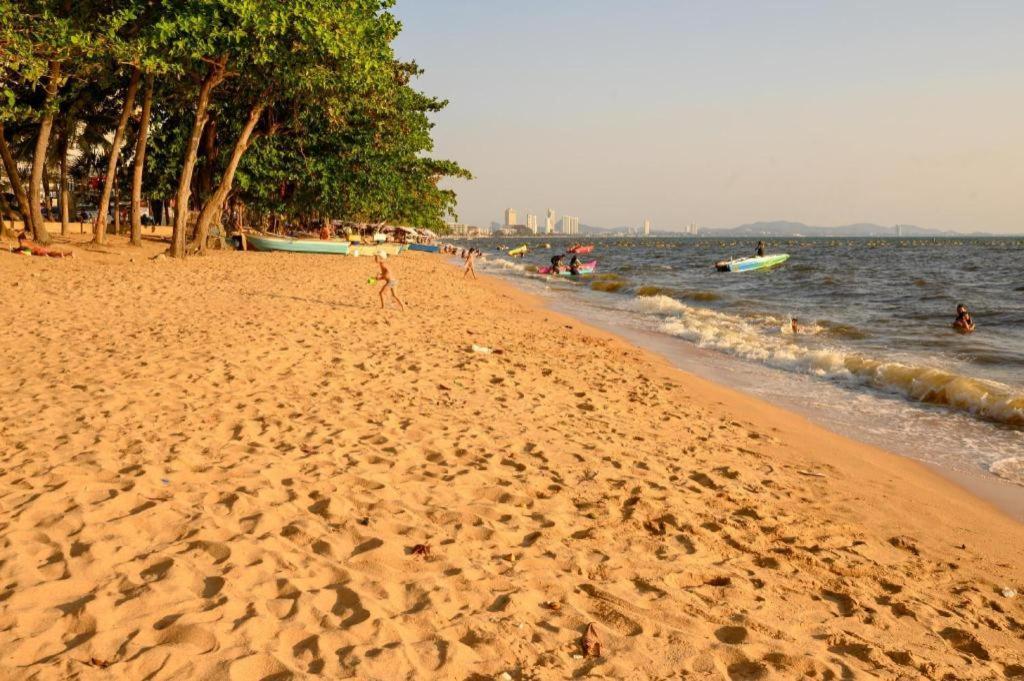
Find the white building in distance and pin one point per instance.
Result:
(647, 226)
(510, 217)
(531, 222)
(549, 225)
(570, 225)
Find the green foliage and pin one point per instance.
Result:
(343, 133)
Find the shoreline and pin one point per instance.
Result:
(986, 486)
(238, 466)
(987, 489)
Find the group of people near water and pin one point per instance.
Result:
(574, 267)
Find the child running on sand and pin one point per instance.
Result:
(469, 265)
(390, 283)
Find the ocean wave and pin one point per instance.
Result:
(608, 285)
(1011, 468)
(502, 264)
(746, 338)
(688, 294)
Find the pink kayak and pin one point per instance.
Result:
(581, 250)
(585, 268)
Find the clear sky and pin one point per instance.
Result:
(723, 112)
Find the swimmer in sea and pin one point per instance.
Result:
(963, 322)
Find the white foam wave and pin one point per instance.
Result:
(740, 337)
(502, 264)
(1011, 468)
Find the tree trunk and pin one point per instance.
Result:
(5, 211)
(100, 227)
(11, 166)
(212, 80)
(140, 161)
(208, 150)
(39, 233)
(215, 204)
(48, 211)
(117, 208)
(64, 213)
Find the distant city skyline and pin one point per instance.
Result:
(731, 112)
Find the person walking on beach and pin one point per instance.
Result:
(390, 282)
(469, 265)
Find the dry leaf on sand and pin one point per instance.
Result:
(591, 642)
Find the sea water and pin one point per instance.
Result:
(873, 356)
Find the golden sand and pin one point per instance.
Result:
(237, 467)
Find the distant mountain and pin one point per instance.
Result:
(783, 228)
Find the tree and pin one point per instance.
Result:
(139, 165)
(100, 225)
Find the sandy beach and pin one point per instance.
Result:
(239, 467)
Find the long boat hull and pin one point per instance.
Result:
(426, 248)
(286, 244)
(375, 249)
(750, 264)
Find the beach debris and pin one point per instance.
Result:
(421, 550)
(97, 662)
(591, 642)
(1007, 592)
(719, 581)
(364, 521)
(504, 676)
(812, 474)
(481, 349)
(551, 605)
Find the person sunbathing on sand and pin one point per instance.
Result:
(25, 244)
(390, 283)
(963, 322)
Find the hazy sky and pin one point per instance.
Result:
(725, 112)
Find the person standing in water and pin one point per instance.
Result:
(963, 323)
(760, 249)
(556, 264)
(390, 283)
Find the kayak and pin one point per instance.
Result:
(580, 250)
(257, 242)
(585, 268)
(750, 264)
(518, 251)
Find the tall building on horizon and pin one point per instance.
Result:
(647, 226)
(531, 222)
(570, 225)
(898, 230)
(510, 217)
(549, 224)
